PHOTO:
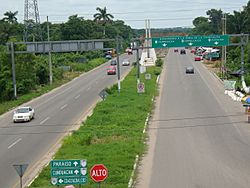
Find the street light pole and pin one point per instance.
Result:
(118, 64)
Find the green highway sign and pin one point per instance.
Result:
(68, 180)
(69, 172)
(213, 55)
(66, 172)
(185, 41)
(68, 163)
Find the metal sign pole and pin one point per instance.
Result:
(13, 68)
(138, 65)
(118, 64)
(20, 170)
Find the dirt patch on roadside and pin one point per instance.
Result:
(213, 66)
(161, 53)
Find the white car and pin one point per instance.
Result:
(125, 62)
(23, 114)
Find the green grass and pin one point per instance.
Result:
(112, 135)
(84, 67)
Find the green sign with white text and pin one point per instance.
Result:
(69, 172)
(68, 180)
(68, 163)
(185, 41)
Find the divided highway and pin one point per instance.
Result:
(199, 137)
(55, 114)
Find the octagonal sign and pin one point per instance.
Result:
(98, 173)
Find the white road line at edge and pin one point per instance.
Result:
(64, 106)
(14, 143)
(44, 120)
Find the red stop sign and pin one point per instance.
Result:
(99, 172)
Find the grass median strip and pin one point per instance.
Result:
(113, 135)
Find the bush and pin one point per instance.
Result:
(159, 62)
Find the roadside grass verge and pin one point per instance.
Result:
(68, 76)
(112, 135)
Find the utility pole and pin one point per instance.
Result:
(149, 36)
(50, 62)
(242, 57)
(13, 68)
(224, 48)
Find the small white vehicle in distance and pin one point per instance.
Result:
(22, 114)
(125, 62)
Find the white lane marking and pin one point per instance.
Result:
(42, 122)
(88, 88)
(64, 106)
(14, 143)
(76, 97)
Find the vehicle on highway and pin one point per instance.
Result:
(176, 50)
(190, 70)
(23, 114)
(183, 51)
(111, 70)
(108, 56)
(113, 62)
(129, 51)
(197, 58)
(125, 62)
(193, 50)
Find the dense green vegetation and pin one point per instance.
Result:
(238, 22)
(113, 134)
(32, 70)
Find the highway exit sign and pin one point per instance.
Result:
(185, 41)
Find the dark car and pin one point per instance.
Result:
(190, 70)
(113, 62)
(183, 51)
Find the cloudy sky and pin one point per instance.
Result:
(162, 13)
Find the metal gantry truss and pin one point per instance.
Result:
(32, 29)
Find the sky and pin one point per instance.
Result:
(162, 13)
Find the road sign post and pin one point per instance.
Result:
(185, 41)
(68, 172)
(99, 173)
(20, 170)
(140, 87)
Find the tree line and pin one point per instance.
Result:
(237, 22)
(32, 69)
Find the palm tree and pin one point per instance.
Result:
(103, 17)
(10, 17)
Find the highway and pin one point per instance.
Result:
(56, 114)
(198, 136)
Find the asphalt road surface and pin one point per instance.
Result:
(56, 114)
(199, 137)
